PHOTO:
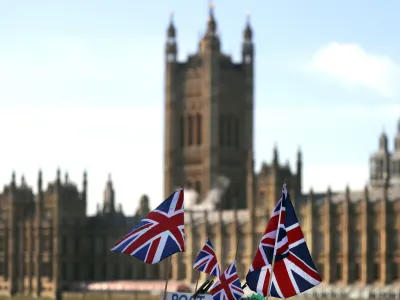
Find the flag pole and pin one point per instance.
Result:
(197, 282)
(167, 276)
(274, 255)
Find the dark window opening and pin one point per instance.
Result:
(228, 132)
(190, 130)
(236, 137)
(221, 131)
(198, 187)
(76, 272)
(376, 271)
(357, 271)
(338, 271)
(199, 130)
(182, 131)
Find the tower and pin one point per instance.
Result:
(208, 115)
(379, 175)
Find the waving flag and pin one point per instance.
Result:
(159, 235)
(293, 270)
(228, 286)
(206, 261)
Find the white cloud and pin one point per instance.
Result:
(351, 64)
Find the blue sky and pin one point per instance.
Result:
(81, 86)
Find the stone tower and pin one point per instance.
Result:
(208, 115)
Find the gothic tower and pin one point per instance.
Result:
(208, 116)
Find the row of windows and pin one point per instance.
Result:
(356, 242)
(355, 271)
(191, 131)
(378, 168)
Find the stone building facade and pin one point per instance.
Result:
(48, 243)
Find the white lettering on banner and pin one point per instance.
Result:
(187, 296)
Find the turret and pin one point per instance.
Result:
(171, 49)
(248, 46)
(109, 197)
(210, 43)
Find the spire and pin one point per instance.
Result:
(40, 181)
(211, 24)
(109, 201)
(248, 32)
(383, 141)
(275, 158)
(171, 32)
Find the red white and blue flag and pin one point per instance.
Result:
(293, 268)
(159, 235)
(206, 261)
(228, 286)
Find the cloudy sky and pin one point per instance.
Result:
(81, 86)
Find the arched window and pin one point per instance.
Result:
(338, 241)
(377, 241)
(190, 130)
(182, 131)
(199, 129)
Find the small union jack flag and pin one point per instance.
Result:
(206, 261)
(159, 235)
(228, 286)
(293, 270)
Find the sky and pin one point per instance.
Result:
(81, 86)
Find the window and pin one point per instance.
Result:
(64, 244)
(182, 131)
(199, 129)
(357, 271)
(338, 271)
(228, 131)
(236, 133)
(2, 243)
(338, 241)
(116, 271)
(91, 271)
(221, 131)
(198, 187)
(320, 269)
(128, 271)
(77, 246)
(64, 271)
(376, 241)
(190, 130)
(395, 271)
(320, 242)
(2, 268)
(76, 272)
(104, 272)
(357, 242)
(227, 244)
(376, 271)
(396, 240)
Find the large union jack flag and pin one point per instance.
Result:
(293, 270)
(228, 286)
(159, 235)
(206, 261)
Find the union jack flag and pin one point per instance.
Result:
(159, 235)
(206, 261)
(293, 270)
(228, 286)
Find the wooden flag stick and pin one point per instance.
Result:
(197, 281)
(167, 277)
